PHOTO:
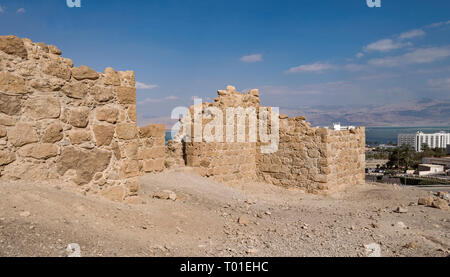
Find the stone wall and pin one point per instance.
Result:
(310, 158)
(71, 123)
(314, 159)
(224, 161)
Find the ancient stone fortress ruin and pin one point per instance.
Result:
(76, 125)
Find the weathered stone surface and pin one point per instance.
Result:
(6, 120)
(103, 134)
(152, 130)
(114, 193)
(155, 152)
(79, 136)
(84, 73)
(108, 114)
(126, 131)
(6, 157)
(53, 133)
(40, 151)
(43, 107)
(126, 95)
(22, 134)
(133, 186)
(3, 132)
(102, 94)
(165, 195)
(57, 69)
(127, 78)
(77, 90)
(10, 105)
(13, 45)
(129, 168)
(85, 163)
(12, 84)
(79, 117)
(440, 204)
(426, 201)
(54, 50)
(132, 113)
(154, 165)
(111, 77)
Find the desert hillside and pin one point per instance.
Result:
(205, 218)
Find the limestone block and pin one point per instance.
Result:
(151, 153)
(79, 117)
(3, 132)
(126, 131)
(10, 105)
(152, 130)
(79, 136)
(84, 73)
(53, 133)
(108, 114)
(57, 69)
(132, 113)
(76, 90)
(43, 107)
(103, 134)
(85, 163)
(54, 50)
(12, 84)
(40, 151)
(111, 77)
(127, 78)
(129, 168)
(153, 165)
(22, 134)
(6, 157)
(102, 94)
(13, 45)
(6, 120)
(126, 95)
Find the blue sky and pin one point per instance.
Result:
(298, 53)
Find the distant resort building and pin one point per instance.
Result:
(339, 127)
(416, 141)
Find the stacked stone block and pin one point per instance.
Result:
(58, 121)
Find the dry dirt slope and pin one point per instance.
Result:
(211, 219)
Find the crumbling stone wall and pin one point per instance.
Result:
(58, 121)
(314, 158)
(73, 124)
(310, 158)
(224, 161)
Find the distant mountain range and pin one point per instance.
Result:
(424, 112)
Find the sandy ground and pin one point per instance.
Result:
(43, 219)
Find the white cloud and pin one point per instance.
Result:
(441, 84)
(21, 10)
(140, 85)
(385, 45)
(354, 67)
(252, 58)
(419, 56)
(315, 67)
(412, 34)
(360, 55)
(2, 9)
(157, 100)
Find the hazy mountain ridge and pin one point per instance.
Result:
(424, 112)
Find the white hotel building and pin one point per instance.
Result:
(437, 140)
